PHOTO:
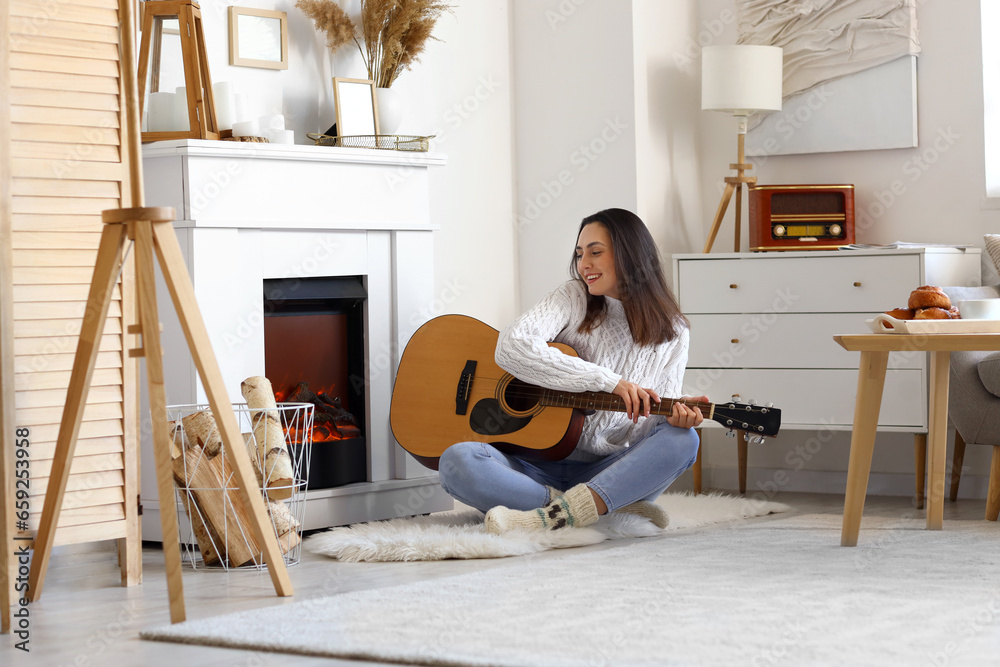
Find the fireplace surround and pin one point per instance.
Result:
(253, 216)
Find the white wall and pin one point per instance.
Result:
(460, 91)
(574, 128)
(933, 193)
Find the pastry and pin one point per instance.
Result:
(932, 314)
(928, 297)
(901, 313)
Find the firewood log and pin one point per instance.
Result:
(254, 457)
(259, 396)
(202, 430)
(281, 517)
(202, 535)
(279, 478)
(269, 436)
(221, 511)
(289, 541)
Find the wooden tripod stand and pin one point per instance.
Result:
(733, 184)
(151, 231)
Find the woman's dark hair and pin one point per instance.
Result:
(651, 310)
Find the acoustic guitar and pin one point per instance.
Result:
(449, 389)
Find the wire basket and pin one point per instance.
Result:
(213, 519)
(390, 142)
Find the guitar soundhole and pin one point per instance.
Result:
(520, 397)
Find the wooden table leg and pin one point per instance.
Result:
(937, 438)
(871, 380)
(696, 468)
(920, 466)
(741, 453)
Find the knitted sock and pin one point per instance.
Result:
(648, 510)
(553, 493)
(573, 508)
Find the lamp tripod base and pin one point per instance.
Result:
(734, 185)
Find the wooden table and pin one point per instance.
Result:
(875, 349)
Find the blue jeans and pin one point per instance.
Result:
(481, 476)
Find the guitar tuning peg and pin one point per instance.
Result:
(735, 398)
(730, 433)
(770, 405)
(757, 440)
(751, 402)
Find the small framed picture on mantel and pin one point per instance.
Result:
(356, 107)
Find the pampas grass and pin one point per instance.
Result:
(393, 33)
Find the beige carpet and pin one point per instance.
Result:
(777, 591)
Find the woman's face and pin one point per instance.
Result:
(595, 260)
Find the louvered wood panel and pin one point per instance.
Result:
(85, 463)
(90, 446)
(65, 161)
(60, 380)
(58, 310)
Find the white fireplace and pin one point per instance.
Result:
(247, 213)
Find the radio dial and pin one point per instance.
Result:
(835, 230)
(779, 230)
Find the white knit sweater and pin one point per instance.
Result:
(607, 354)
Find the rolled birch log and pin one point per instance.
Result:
(281, 517)
(202, 430)
(259, 396)
(279, 478)
(254, 457)
(269, 436)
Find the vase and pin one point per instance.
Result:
(390, 110)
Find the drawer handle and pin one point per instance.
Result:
(733, 286)
(734, 341)
(857, 284)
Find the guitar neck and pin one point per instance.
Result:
(596, 400)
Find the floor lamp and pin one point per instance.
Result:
(739, 80)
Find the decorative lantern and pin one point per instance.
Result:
(172, 50)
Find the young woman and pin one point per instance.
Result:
(621, 318)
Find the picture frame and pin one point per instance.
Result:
(258, 38)
(356, 107)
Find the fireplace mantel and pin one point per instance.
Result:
(249, 212)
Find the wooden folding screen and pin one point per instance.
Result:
(65, 165)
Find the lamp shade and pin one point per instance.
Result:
(741, 79)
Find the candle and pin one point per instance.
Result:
(181, 120)
(160, 112)
(281, 136)
(273, 122)
(225, 104)
(246, 128)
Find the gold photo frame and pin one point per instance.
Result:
(356, 107)
(258, 38)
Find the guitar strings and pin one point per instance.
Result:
(588, 397)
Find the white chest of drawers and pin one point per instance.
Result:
(762, 327)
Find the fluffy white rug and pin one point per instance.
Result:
(774, 592)
(461, 534)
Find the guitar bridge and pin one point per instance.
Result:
(464, 385)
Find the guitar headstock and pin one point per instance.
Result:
(756, 419)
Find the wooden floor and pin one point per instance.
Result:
(86, 618)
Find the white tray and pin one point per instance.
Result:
(887, 324)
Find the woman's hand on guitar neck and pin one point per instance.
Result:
(683, 416)
(636, 399)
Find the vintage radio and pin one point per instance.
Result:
(801, 217)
